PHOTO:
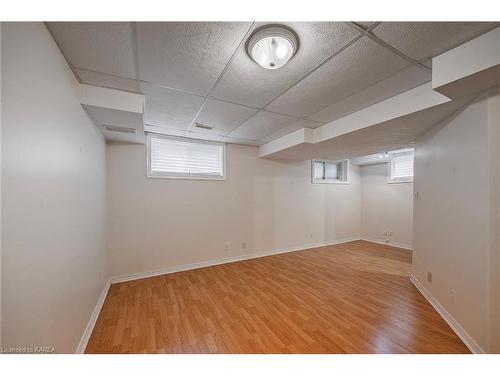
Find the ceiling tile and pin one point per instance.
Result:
(106, 80)
(169, 108)
(247, 83)
(223, 116)
(101, 46)
(261, 125)
(420, 40)
(403, 80)
(302, 123)
(364, 24)
(357, 67)
(187, 55)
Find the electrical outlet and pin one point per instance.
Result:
(429, 277)
(244, 245)
(390, 234)
(453, 296)
(310, 235)
(226, 246)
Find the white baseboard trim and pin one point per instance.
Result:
(455, 326)
(215, 262)
(82, 345)
(382, 242)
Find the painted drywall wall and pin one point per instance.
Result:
(53, 195)
(263, 205)
(494, 130)
(452, 217)
(387, 209)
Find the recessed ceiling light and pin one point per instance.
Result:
(272, 46)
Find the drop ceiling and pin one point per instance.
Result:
(199, 72)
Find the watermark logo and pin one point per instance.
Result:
(28, 350)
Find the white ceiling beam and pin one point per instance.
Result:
(470, 68)
(414, 100)
(111, 98)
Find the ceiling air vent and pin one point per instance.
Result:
(202, 126)
(120, 129)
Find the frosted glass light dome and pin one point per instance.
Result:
(271, 47)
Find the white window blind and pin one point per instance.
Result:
(175, 157)
(402, 166)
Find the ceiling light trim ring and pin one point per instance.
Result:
(268, 32)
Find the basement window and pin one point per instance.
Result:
(184, 158)
(401, 167)
(329, 172)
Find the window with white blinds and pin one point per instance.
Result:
(174, 157)
(402, 167)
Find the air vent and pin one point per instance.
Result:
(120, 129)
(202, 126)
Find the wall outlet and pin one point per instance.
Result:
(429, 277)
(244, 245)
(226, 246)
(390, 234)
(453, 296)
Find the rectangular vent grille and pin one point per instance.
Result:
(120, 129)
(202, 126)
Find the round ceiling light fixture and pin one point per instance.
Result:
(272, 46)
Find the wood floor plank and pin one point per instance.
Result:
(348, 298)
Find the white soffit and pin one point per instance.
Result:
(224, 116)
(262, 124)
(187, 55)
(414, 100)
(302, 123)
(360, 65)
(421, 40)
(247, 83)
(390, 135)
(100, 46)
(403, 80)
(469, 68)
(111, 98)
(169, 108)
(106, 80)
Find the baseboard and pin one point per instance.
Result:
(393, 244)
(93, 319)
(455, 326)
(215, 262)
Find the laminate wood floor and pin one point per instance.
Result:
(349, 298)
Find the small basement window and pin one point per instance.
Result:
(329, 172)
(401, 167)
(177, 157)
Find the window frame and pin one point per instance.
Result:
(345, 163)
(180, 176)
(400, 180)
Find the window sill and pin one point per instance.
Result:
(202, 178)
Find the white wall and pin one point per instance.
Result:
(268, 204)
(453, 217)
(53, 194)
(386, 208)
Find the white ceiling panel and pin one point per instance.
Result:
(403, 80)
(169, 108)
(357, 67)
(302, 123)
(420, 40)
(223, 116)
(187, 55)
(247, 83)
(106, 80)
(101, 46)
(261, 125)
